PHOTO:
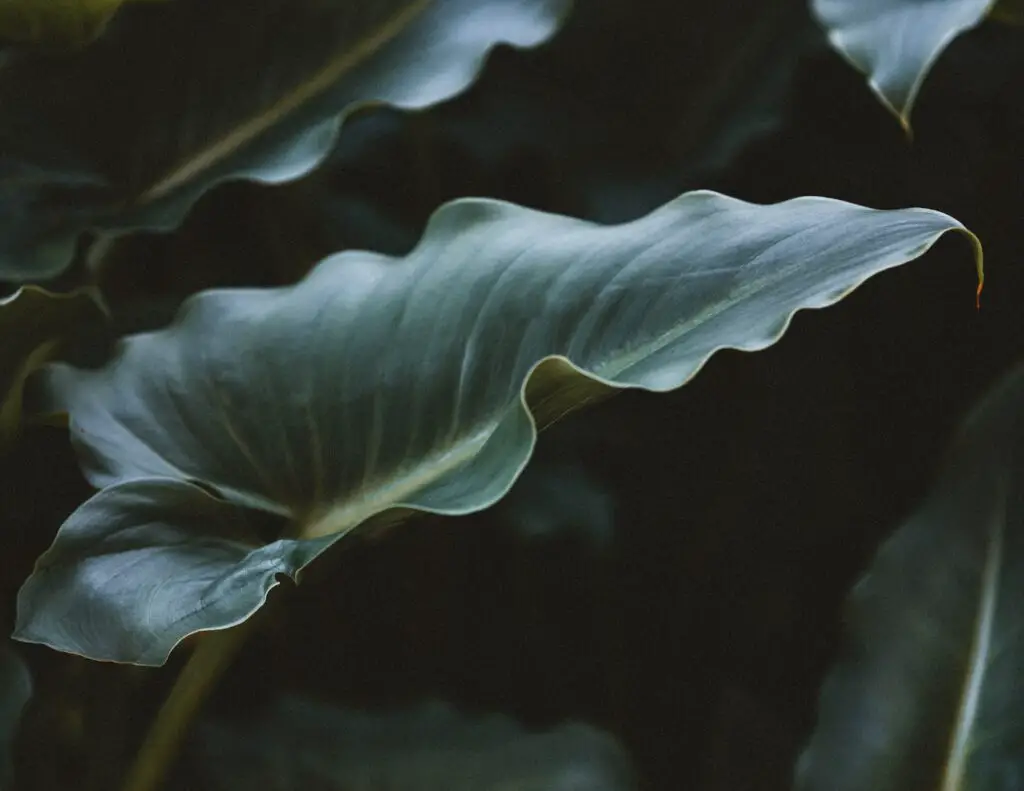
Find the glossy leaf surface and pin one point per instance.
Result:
(928, 694)
(179, 96)
(417, 383)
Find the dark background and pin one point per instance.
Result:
(686, 591)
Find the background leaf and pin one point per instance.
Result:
(141, 124)
(33, 323)
(57, 22)
(1010, 11)
(303, 744)
(895, 42)
(15, 691)
(928, 693)
(378, 384)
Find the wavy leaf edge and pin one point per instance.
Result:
(329, 525)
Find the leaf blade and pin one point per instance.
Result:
(896, 42)
(137, 153)
(379, 384)
(926, 692)
(172, 560)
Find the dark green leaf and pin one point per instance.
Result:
(33, 322)
(1009, 11)
(928, 695)
(308, 745)
(179, 96)
(15, 691)
(895, 42)
(380, 383)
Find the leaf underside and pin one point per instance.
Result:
(928, 694)
(417, 383)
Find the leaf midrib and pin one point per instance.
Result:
(341, 516)
(956, 767)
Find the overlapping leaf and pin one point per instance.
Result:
(929, 693)
(895, 42)
(179, 96)
(416, 383)
(33, 322)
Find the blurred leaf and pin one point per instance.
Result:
(928, 694)
(301, 744)
(1009, 11)
(56, 22)
(551, 499)
(378, 384)
(896, 42)
(15, 691)
(159, 110)
(33, 322)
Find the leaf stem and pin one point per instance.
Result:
(204, 667)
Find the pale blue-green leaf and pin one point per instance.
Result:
(178, 97)
(895, 42)
(379, 383)
(928, 694)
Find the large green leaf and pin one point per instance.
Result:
(179, 96)
(377, 384)
(895, 42)
(929, 693)
(15, 691)
(33, 323)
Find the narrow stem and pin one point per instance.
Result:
(210, 658)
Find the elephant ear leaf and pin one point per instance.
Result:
(928, 695)
(159, 109)
(417, 384)
(33, 324)
(896, 42)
